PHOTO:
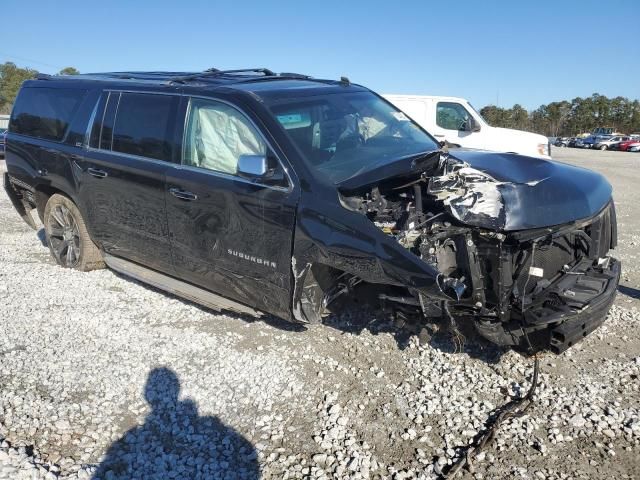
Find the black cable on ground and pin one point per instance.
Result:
(515, 408)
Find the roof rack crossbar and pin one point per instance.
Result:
(279, 76)
(214, 72)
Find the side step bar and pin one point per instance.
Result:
(177, 287)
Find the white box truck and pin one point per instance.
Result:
(454, 119)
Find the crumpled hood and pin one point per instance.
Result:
(512, 192)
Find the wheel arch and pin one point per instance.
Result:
(42, 194)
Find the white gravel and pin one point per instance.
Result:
(102, 377)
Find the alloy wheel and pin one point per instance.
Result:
(64, 236)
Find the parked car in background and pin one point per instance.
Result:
(634, 147)
(609, 143)
(561, 142)
(576, 142)
(455, 121)
(258, 192)
(624, 145)
(590, 141)
(598, 135)
(3, 134)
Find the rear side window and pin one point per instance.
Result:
(143, 125)
(45, 112)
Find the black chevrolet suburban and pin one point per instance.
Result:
(251, 191)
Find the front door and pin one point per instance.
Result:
(229, 234)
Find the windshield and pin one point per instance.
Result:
(344, 134)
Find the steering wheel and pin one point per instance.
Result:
(350, 142)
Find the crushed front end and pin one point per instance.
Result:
(532, 290)
(525, 266)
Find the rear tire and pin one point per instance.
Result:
(67, 236)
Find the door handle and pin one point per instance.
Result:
(439, 136)
(97, 172)
(183, 194)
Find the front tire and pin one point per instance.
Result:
(67, 236)
(603, 147)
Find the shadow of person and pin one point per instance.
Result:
(175, 442)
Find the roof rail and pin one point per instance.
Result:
(294, 75)
(43, 76)
(214, 72)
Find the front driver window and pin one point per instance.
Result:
(217, 135)
(451, 116)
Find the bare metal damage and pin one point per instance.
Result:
(468, 192)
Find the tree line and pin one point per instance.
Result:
(569, 118)
(12, 76)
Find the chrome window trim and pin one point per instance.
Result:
(92, 119)
(187, 167)
(288, 188)
(150, 92)
(115, 120)
(229, 176)
(129, 155)
(104, 114)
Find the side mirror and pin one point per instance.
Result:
(253, 166)
(261, 168)
(471, 125)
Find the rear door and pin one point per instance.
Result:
(230, 234)
(122, 185)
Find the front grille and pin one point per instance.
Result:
(603, 231)
(550, 258)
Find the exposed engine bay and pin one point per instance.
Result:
(532, 289)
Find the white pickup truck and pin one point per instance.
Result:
(454, 119)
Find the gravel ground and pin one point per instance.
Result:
(103, 377)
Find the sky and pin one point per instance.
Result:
(490, 52)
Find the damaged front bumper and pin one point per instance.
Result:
(564, 313)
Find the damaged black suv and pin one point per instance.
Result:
(256, 192)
